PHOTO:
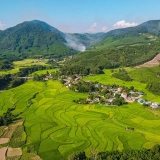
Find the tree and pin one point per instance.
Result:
(118, 101)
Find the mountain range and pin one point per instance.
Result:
(36, 38)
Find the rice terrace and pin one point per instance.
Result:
(55, 126)
(79, 80)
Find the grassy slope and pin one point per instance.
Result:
(119, 42)
(145, 74)
(23, 63)
(58, 127)
(45, 71)
(33, 38)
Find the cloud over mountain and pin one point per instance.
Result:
(123, 24)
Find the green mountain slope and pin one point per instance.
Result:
(93, 62)
(120, 48)
(148, 32)
(33, 38)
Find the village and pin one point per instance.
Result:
(108, 95)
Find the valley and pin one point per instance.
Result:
(56, 91)
(53, 118)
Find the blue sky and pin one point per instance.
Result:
(79, 15)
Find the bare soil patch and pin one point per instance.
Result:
(8, 131)
(36, 158)
(154, 62)
(4, 140)
(13, 152)
(3, 153)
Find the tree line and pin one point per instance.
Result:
(7, 117)
(93, 62)
(122, 74)
(144, 154)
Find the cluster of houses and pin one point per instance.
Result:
(71, 81)
(153, 105)
(130, 96)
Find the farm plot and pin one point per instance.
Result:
(57, 127)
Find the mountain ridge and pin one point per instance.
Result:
(39, 38)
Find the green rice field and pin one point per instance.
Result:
(23, 63)
(45, 71)
(57, 127)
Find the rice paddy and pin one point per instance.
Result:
(24, 63)
(57, 127)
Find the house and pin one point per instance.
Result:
(120, 89)
(130, 128)
(46, 78)
(124, 95)
(96, 99)
(148, 103)
(141, 93)
(141, 101)
(110, 100)
(130, 99)
(154, 105)
(75, 82)
(88, 100)
(97, 85)
(116, 92)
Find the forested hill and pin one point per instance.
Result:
(147, 32)
(152, 27)
(33, 38)
(120, 48)
(93, 62)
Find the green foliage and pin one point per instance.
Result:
(81, 101)
(118, 101)
(122, 74)
(145, 74)
(34, 38)
(16, 139)
(28, 70)
(56, 126)
(6, 64)
(154, 87)
(111, 58)
(145, 33)
(16, 82)
(37, 77)
(4, 81)
(83, 86)
(7, 117)
(150, 154)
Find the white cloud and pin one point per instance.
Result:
(123, 24)
(92, 28)
(104, 28)
(2, 25)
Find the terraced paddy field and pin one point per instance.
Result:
(24, 63)
(29, 62)
(45, 71)
(57, 127)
